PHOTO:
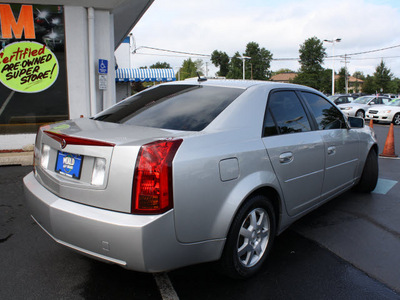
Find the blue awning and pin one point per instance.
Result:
(125, 75)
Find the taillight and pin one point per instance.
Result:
(152, 183)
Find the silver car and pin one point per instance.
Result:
(386, 113)
(191, 172)
(358, 107)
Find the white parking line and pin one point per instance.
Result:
(384, 186)
(165, 286)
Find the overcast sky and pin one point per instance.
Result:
(279, 26)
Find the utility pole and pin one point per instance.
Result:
(346, 77)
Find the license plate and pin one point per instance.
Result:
(69, 164)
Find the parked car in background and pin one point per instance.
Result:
(341, 99)
(360, 105)
(391, 96)
(386, 113)
(191, 172)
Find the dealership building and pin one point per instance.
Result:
(57, 62)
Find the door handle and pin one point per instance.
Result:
(286, 157)
(331, 150)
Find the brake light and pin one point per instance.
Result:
(65, 140)
(152, 183)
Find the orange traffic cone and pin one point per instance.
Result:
(371, 123)
(388, 150)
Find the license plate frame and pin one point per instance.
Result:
(69, 164)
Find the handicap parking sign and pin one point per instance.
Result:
(103, 66)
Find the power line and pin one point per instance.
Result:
(274, 59)
(370, 51)
(172, 51)
(167, 55)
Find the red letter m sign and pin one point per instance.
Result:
(24, 23)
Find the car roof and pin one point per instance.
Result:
(244, 84)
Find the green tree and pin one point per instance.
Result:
(369, 85)
(161, 65)
(383, 77)
(325, 81)
(259, 63)
(359, 75)
(235, 67)
(312, 54)
(220, 59)
(395, 86)
(190, 68)
(340, 84)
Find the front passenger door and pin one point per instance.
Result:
(341, 144)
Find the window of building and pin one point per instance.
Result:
(33, 85)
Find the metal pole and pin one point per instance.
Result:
(333, 67)
(244, 70)
(333, 62)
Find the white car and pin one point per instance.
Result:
(359, 107)
(386, 113)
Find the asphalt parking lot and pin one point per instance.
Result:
(347, 249)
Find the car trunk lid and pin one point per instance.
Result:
(92, 162)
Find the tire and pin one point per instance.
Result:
(396, 119)
(250, 238)
(360, 114)
(369, 176)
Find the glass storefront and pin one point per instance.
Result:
(33, 82)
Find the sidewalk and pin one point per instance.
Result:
(23, 157)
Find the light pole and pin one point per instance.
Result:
(179, 72)
(244, 59)
(130, 47)
(333, 62)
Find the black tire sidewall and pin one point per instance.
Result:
(231, 265)
(394, 118)
(369, 176)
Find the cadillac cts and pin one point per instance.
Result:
(196, 171)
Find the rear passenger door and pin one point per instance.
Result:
(341, 144)
(296, 151)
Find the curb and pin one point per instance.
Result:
(16, 158)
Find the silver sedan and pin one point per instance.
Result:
(191, 172)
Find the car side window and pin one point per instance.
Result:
(285, 114)
(326, 114)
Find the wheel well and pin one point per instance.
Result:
(273, 196)
(374, 148)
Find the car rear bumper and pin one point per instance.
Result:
(136, 242)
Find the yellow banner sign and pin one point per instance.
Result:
(28, 67)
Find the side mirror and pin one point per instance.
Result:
(356, 122)
(372, 103)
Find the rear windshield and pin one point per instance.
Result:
(177, 107)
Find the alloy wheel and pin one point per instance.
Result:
(253, 237)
